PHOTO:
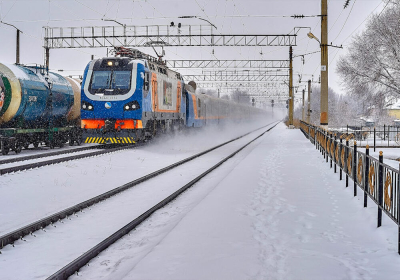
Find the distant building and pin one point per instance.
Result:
(393, 108)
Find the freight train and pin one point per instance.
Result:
(134, 96)
(37, 107)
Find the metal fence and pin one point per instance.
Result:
(379, 136)
(378, 181)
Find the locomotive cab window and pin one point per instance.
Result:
(110, 82)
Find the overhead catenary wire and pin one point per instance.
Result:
(344, 24)
(359, 27)
(337, 50)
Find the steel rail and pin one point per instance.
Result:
(50, 154)
(59, 160)
(81, 261)
(17, 234)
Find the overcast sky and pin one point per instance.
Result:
(266, 17)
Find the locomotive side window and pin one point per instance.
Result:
(146, 83)
(199, 107)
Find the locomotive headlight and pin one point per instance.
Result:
(110, 63)
(87, 106)
(133, 105)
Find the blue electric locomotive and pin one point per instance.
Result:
(128, 97)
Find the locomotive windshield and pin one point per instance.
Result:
(110, 82)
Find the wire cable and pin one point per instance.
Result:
(354, 2)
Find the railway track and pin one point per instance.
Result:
(5, 170)
(82, 260)
(50, 154)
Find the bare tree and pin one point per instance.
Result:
(373, 61)
(240, 96)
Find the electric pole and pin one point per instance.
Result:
(309, 102)
(324, 63)
(17, 43)
(17, 52)
(302, 115)
(47, 58)
(290, 86)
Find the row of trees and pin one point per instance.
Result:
(346, 109)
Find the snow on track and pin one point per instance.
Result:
(100, 226)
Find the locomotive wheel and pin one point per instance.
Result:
(78, 141)
(18, 147)
(35, 144)
(26, 145)
(5, 150)
(71, 141)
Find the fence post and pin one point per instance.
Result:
(330, 148)
(355, 168)
(380, 188)
(322, 143)
(318, 140)
(334, 152)
(340, 159)
(374, 139)
(326, 146)
(388, 135)
(384, 132)
(366, 175)
(315, 136)
(398, 212)
(345, 163)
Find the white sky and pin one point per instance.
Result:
(267, 17)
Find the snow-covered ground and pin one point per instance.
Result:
(274, 211)
(280, 213)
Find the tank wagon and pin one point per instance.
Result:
(132, 96)
(37, 107)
